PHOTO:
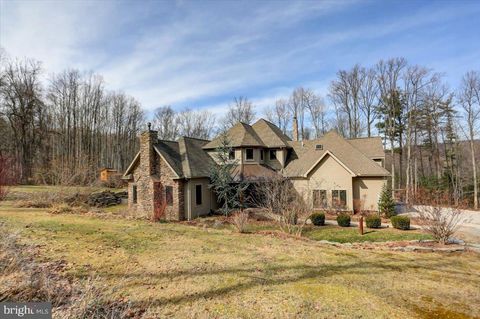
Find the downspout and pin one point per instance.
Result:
(189, 200)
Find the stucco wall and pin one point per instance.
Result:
(328, 175)
(240, 157)
(278, 163)
(208, 199)
(367, 190)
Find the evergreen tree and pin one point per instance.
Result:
(228, 187)
(386, 205)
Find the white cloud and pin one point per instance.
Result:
(186, 53)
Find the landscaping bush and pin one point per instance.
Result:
(440, 222)
(318, 219)
(343, 220)
(240, 221)
(373, 221)
(400, 222)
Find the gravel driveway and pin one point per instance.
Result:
(469, 229)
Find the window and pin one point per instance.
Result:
(169, 195)
(198, 194)
(134, 194)
(231, 155)
(249, 154)
(319, 198)
(379, 162)
(261, 155)
(273, 154)
(339, 198)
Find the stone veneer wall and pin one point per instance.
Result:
(151, 164)
(142, 176)
(176, 211)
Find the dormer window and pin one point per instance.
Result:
(319, 147)
(249, 154)
(231, 155)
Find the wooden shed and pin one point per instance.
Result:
(106, 174)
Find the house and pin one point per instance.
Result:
(172, 177)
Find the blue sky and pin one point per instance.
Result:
(200, 54)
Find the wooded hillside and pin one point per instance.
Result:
(61, 128)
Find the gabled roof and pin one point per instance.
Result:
(170, 152)
(185, 157)
(372, 147)
(260, 134)
(304, 156)
(197, 163)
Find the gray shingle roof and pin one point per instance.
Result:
(372, 147)
(240, 135)
(260, 134)
(170, 151)
(188, 159)
(304, 157)
(270, 134)
(186, 156)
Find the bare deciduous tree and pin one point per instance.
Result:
(368, 96)
(21, 104)
(388, 76)
(279, 114)
(241, 110)
(165, 121)
(198, 124)
(469, 100)
(345, 96)
(316, 107)
(282, 203)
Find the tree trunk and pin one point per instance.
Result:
(474, 169)
(392, 152)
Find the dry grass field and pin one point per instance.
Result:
(182, 271)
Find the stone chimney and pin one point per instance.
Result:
(295, 129)
(147, 154)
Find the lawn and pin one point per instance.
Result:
(38, 189)
(351, 234)
(187, 271)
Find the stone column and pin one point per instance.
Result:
(295, 129)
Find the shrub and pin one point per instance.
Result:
(400, 222)
(60, 209)
(386, 204)
(343, 220)
(373, 221)
(318, 219)
(441, 223)
(240, 221)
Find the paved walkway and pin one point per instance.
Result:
(469, 226)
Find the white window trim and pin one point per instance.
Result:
(253, 155)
